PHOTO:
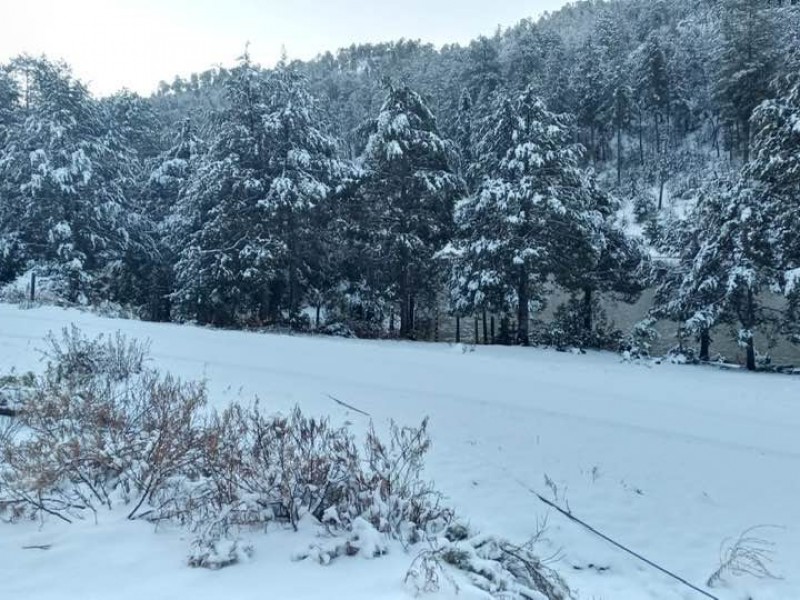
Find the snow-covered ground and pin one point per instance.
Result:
(669, 460)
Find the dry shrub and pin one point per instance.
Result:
(749, 554)
(98, 428)
(101, 429)
(274, 468)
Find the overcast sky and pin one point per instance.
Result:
(113, 44)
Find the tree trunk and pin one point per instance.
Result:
(641, 138)
(493, 330)
(619, 155)
(412, 314)
(749, 323)
(715, 127)
(587, 312)
(458, 330)
(505, 330)
(705, 345)
(293, 279)
(477, 338)
(485, 328)
(405, 304)
(523, 308)
(658, 133)
(264, 305)
(746, 140)
(751, 354)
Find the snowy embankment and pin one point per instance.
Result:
(669, 460)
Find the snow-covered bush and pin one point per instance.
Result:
(213, 552)
(496, 566)
(12, 256)
(568, 328)
(261, 468)
(337, 329)
(109, 360)
(638, 343)
(99, 429)
(18, 290)
(12, 388)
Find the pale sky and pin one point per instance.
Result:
(113, 44)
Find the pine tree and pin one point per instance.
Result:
(269, 167)
(621, 111)
(464, 135)
(411, 185)
(11, 253)
(592, 92)
(775, 165)
(484, 73)
(597, 256)
(725, 280)
(655, 86)
(66, 177)
(745, 64)
(682, 293)
(512, 228)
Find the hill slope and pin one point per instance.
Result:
(669, 460)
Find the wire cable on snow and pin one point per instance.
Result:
(613, 542)
(346, 405)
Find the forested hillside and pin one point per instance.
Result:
(602, 150)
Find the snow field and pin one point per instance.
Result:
(670, 460)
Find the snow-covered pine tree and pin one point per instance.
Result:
(9, 105)
(66, 179)
(775, 164)
(483, 73)
(411, 187)
(592, 93)
(134, 134)
(11, 254)
(745, 64)
(464, 136)
(682, 292)
(271, 164)
(733, 267)
(596, 256)
(527, 204)
(174, 216)
(305, 167)
(226, 264)
(653, 75)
